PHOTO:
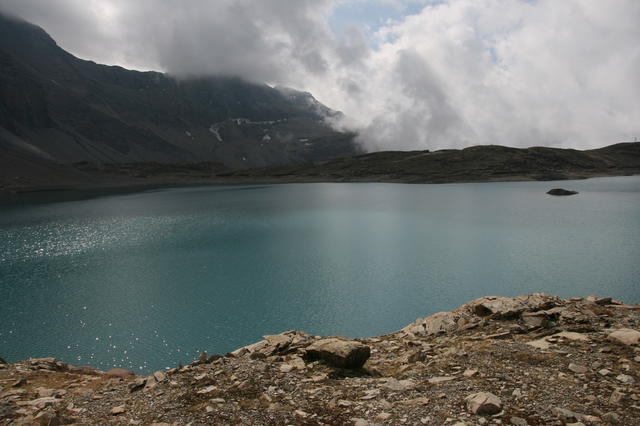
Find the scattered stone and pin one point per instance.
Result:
(518, 421)
(578, 369)
(400, 385)
(43, 402)
(567, 415)
(470, 373)
(119, 372)
(339, 353)
(612, 418)
(49, 417)
(483, 404)
(538, 319)
(44, 392)
(120, 409)
(605, 372)
(570, 335)
(206, 390)
(540, 344)
(138, 384)
(626, 379)
(286, 368)
(616, 397)
(436, 380)
(625, 336)
(370, 394)
(160, 376)
(603, 301)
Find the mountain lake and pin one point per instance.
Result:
(147, 280)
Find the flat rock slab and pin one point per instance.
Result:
(339, 353)
(626, 336)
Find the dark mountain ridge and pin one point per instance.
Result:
(58, 107)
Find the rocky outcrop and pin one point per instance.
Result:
(523, 308)
(529, 360)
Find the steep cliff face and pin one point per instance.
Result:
(59, 107)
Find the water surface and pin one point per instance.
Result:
(147, 280)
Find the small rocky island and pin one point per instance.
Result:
(561, 191)
(530, 360)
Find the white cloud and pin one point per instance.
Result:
(459, 73)
(555, 73)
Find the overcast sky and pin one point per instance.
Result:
(408, 74)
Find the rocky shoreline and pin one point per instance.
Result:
(531, 360)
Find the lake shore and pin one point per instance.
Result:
(534, 359)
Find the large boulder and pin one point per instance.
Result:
(339, 352)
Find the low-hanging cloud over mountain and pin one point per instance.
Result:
(452, 74)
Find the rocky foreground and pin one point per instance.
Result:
(531, 360)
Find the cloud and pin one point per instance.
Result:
(441, 74)
(266, 40)
(508, 72)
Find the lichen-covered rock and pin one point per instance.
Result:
(339, 353)
(483, 404)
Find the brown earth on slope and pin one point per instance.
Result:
(530, 360)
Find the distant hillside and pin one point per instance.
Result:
(474, 164)
(55, 106)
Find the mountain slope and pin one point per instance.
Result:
(59, 107)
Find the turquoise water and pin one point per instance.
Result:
(147, 280)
